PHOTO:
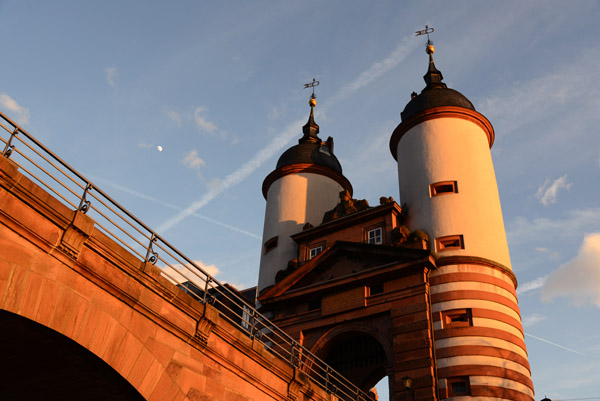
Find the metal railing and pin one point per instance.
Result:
(73, 189)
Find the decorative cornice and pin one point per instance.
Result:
(440, 112)
(475, 260)
(305, 168)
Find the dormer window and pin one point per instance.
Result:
(315, 251)
(375, 236)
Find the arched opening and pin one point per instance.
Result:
(358, 356)
(39, 363)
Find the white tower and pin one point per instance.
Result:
(447, 179)
(305, 184)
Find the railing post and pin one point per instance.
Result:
(9, 147)
(294, 355)
(151, 256)
(84, 205)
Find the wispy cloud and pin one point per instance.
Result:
(579, 278)
(175, 117)
(378, 69)
(201, 121)
(374, 72)
(533, 319)
(192, 160)
(111, 76)
(548, 192)
(531, 285)
(576, 222)
(171, 206)
(544, 95)
(552, 255)
(555, 344)
(21, 114)
(236, 177)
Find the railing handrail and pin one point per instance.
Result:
(259, 326)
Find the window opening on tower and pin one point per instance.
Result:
(450, 242)
(443, 188)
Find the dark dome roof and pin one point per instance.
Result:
(435, 97)
(310, 152)
(435, 94)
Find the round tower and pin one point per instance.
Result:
(305, 184)
(446, 177)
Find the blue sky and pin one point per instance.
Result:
(218, 85)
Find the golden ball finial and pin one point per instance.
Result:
(430, 49)
(312, 102)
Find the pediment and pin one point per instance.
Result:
(341, 260)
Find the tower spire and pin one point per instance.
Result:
(311, 128)
(433, 78)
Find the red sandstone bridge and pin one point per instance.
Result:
(85, 313)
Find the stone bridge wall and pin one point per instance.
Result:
(59, 270)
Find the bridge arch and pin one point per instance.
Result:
(358, 351)
(40, 363)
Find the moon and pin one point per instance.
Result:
(160, 148)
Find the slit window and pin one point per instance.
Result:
(443, 187)
(315, 251)
(271, 244)
(375, 236)
(450, 242)
(457, 318)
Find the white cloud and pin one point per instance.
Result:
(578, 279)
(111, 76)
(202, 123)
(531, 285)
(175, 117)
(192, 160)
(524, 102)
(552, 255)
(145, 145)
(533, 319)
(548, 192)
(522, 230)
(178, 273)
(10, 104)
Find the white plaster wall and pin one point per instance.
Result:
(453, 149)
(292, 201)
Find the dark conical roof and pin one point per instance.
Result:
(311, 149)
(435, 94)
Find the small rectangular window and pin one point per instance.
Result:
(314, 251)
(457, 318)
(449, 242)
(443, 187)
(458, 386)
(375, 236)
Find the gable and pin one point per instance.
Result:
(344, 260)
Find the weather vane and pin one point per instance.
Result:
(426, 31)
(312, 85)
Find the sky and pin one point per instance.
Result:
(179, 111)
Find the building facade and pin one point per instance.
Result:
(422, 293)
